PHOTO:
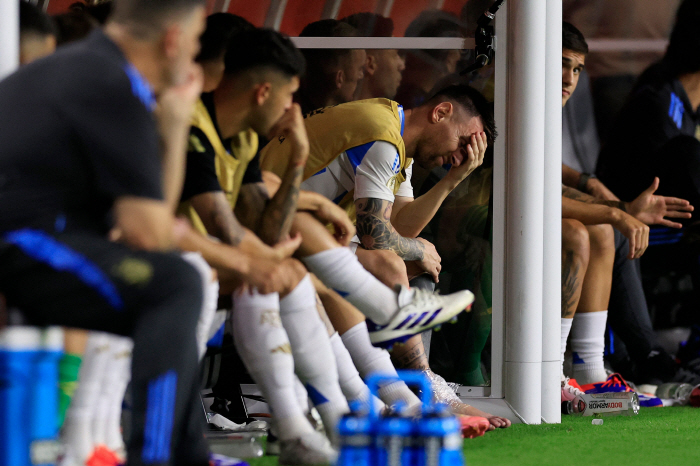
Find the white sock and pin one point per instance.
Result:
(313, 356)
(371, 360)
(565, 329)
(210, 301)
(338, 268)
(302, 395)
(264, 348)
(588, 345)
(354, 388)
(77, 433)
(107, 417)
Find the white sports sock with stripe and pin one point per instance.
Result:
(264, 348)
(371, 360)
(354, 388)
(313, 355)
(339, 269)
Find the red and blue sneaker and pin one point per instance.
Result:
(615, 383)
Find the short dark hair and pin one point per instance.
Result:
(319, 62)
(371, 24)
(73, 25)
(473, 102)
(572, 39)
(216, 38)
(264, 48)
(436, 23)
(150, 16)
(683, 52)
(34, 21)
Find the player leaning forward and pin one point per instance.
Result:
(361, 156)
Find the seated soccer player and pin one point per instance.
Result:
(655, 132)
(269, 329)
(230, 108)
(332, 75)
(83, 154)
(37, 33)
(589, 246)
(365, 165)
(383, 68)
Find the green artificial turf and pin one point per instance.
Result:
(657, 436)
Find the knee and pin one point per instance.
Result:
(575, 238)
(389, 268)
(602, 238)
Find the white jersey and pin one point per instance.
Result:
(369, 169)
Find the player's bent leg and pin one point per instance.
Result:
(354, 388)
(588, 329)
(210, 285)
(264, 348)
(153, 297)
(314, 361)
(575, 253)
(389, 268)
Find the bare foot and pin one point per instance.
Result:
(495, 421)
(444, 394)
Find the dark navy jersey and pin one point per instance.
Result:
(657, 111)
(76, 133)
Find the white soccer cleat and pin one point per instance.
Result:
(310, 449)
(419, 310)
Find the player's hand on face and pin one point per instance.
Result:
(176, 103)
(431, 261)
(636, 232)
(291, 126)
(473, 157)
(328, 212)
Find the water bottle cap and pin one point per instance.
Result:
(20, 338)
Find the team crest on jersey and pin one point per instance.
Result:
(393, 181)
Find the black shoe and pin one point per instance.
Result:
(659, 367)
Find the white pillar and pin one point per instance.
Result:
(551, 293)
(524, 207)
(9, 36)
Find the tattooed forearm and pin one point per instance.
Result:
(411, 355)
(279, 212)
(250, 205)
(577, 195)
(570, 284)
(230, 230)
(375, 230)
(215, 212)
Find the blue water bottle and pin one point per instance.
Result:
(19, 348)
(441, 438)
(393, 440)
(355, 434)
(43, 403)
(411, 444)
